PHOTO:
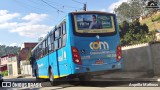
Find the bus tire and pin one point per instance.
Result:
(51, 79)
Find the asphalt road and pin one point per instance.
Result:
(95, 84)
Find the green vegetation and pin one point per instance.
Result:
(153, 22)
(133, 9)
(129, 11)
(4, 73)
(135, 33)
(4, 50)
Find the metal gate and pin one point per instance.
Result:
(10, 69)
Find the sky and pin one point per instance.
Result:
(27, 20)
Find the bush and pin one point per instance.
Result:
(4, 73)
(135, 33)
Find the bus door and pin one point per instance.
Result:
(61, 51)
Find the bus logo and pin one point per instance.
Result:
(98, 45)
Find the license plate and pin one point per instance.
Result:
(99, 62)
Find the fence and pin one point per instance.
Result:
(26, 70)
(142, 57)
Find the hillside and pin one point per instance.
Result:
(153, 21)
(4, 50)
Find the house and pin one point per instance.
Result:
(9, 63)
(24, 55)
(3, 63)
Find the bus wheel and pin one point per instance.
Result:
(51, 79)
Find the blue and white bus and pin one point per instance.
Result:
(83, 43)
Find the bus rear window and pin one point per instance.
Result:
(94, 23)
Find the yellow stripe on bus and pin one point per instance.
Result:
(53, 76)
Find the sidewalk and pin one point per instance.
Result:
(19, 76)
(127, 76)
(9, 77)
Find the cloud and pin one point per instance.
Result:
(6, 16)
(28, 25)
(8, 25)
(115, 5)
(32, 31)
(34, 17)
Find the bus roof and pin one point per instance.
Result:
(91, 12)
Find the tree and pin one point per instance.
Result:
(4, 50)
(124, 27)
(132, 10)
(129, 11)
(28, 56)
(123, 12)
(135, 33)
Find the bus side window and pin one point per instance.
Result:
(57, 38)
(46, 46)
(64, 35)
(52, 41)
(64, 28)
(41, 51)
(49, 44)
(57, 34)
(43, 48)
(64, 40)
(38, 52)
(55, 44)
(60, 39)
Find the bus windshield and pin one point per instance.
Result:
(94, 23)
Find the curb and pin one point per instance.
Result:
(128, 79)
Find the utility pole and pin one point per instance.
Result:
(84, 7)
(84, 4)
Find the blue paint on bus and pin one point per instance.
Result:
(71, 49)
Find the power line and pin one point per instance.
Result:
(34, 7)
(53, 7)
(22, 3)
(78, 2)
(64, 5)
(84, 5)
